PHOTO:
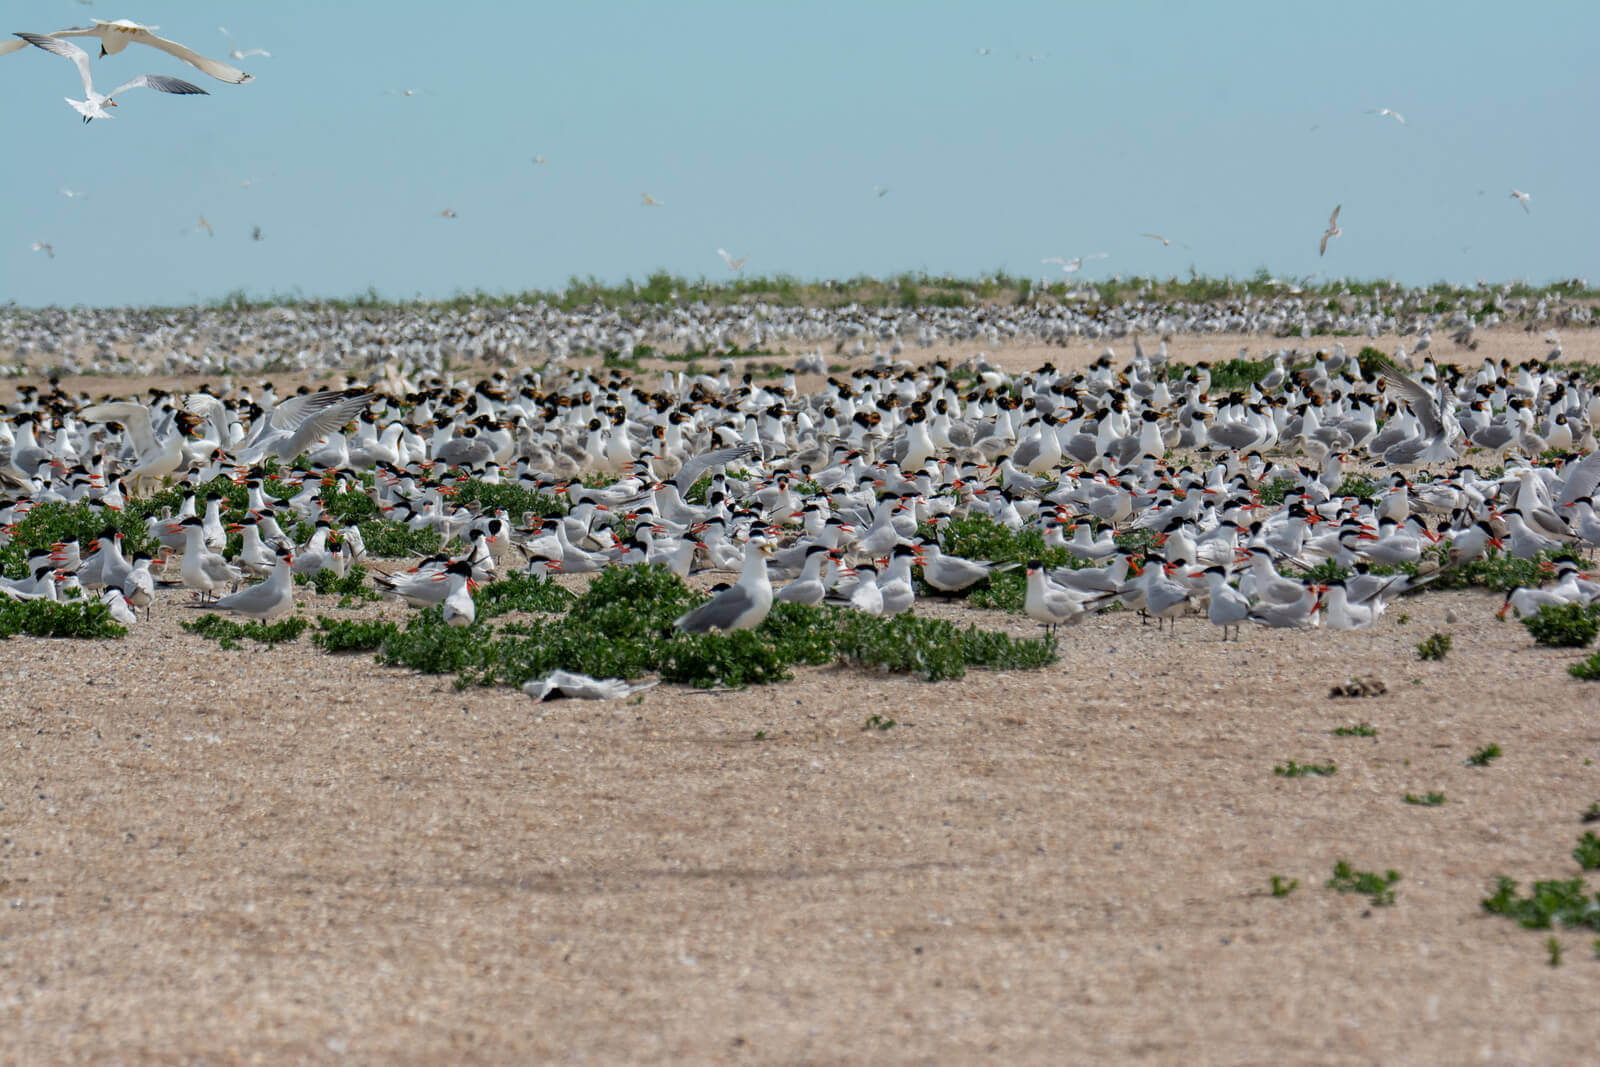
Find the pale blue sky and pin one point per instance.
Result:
(764, 129)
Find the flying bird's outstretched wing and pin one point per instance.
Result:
(161, 84)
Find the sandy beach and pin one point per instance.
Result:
(284, 856)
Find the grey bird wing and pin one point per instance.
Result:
(1581, 480)
(136, 417)
(321, 414)
(718, 613)
(293, 412)
(695, 466)
(255, 598)
(65, 49)
(1422, 402)
(161, 84)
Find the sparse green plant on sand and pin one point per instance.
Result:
(1435, 647)
(1301, 770)
(1485, 755)
(1378, 887)
(1588, 852)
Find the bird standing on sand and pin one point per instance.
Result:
(265, 600)
(741, 606)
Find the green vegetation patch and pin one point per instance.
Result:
(1564, 625)
(1379, 888)
(228, 633)
(85, 619)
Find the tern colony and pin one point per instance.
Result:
(317, 338)
(838, 492)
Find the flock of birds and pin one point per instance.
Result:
(832, 489)
(327, 338)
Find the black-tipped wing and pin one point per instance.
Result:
(161, 84)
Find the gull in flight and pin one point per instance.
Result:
(1332, 230)
(1401, 119)
(1156, 236)
(1072, 266)
(236, 53)
(45, 246)
(447, 214)
(881, 190)
(1522, 198)
(255, 234)
(115, 36)
(986, 51)
(203, 225)
(540, 159)
(95, 106)
(70, 193)
(733, 264)
(649, 201)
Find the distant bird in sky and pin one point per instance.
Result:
(94, 107)
(402, 92)
(447, 214)
(986, 51)
(115, 36)
(1072, 266)
(733, 264)
(1522, 198)
(71, 194)
(1401, 119)
(540, 159)
(45, 246)
(255, 234)
(880, 191)
(650, 201)
(234, 50)
(1156, 236)
(1332, 230)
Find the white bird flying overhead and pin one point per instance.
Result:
(95, 106)
(733, 264)
(649, 201)
(1389, 112)
(117, 35)
(44, 246)
(1522, 198)
(1331, 232)
(1157, 237)
(236, 52)
(1072, 266)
